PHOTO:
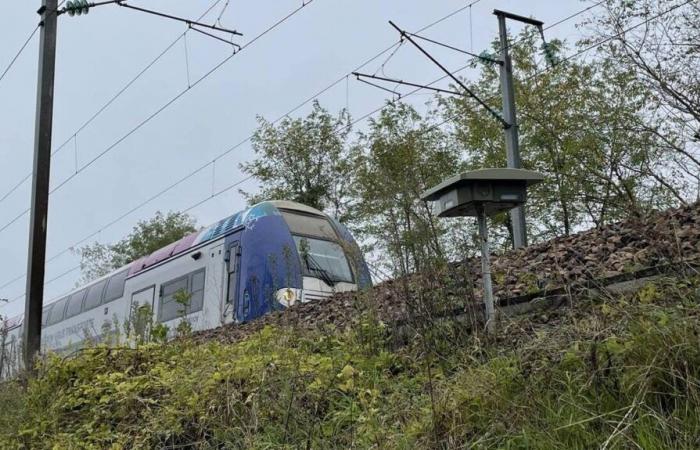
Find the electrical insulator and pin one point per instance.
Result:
(549, 54)
(487, 57)
(77, 7)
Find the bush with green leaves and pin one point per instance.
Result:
(615, 371)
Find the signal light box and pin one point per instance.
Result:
(494, 190)
(483, 193)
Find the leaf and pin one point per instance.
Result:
(347, 372)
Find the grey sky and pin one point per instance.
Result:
(98, 53)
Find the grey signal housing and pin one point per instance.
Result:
(494, 190)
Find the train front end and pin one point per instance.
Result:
(330, 259)
(291, 253)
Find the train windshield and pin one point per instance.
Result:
(317, 243)
(323, 259)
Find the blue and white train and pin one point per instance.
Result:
(267, 257)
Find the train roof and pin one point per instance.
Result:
(220, 228)
(210, 233)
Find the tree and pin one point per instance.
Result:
(659, 42)
(303, 160)
(146, 237)
(575, 123)
(400, 157)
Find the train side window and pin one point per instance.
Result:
(169, 307)
(197, 291)
(75, 303)
(45, 315)
(94, 295)
(57, 311)
(115, 287)
(192, 284)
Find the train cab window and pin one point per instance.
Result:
(192, 284)
(323, 259)
(317, 244)
(57, 310)
(94, 295)
(75, 303)
(115, 287)
(45, 315)
(309, 225)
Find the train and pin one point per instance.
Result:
(267, 257)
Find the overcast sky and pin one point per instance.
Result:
(99, 53)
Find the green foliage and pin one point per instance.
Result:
(400, 157)
(183, 298)
(12, 405)
(138, 323)
(303, 160)
(145, 238)
(576, 124)
(159, 333)
(373, 186)
(619, 372)
(615, 134)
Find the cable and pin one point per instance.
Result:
(221, 13)
(161, 109)
(189, 208)
(370, 60)
(596, 44)
(199, 169)
(249, 43)
(291, 111)
(464, 52)
(578, 13)
(115, 220)
(19, 216)
(220, 192)
(611, 37)
(453, 13)
(71, 270)
(111, 100)
(148, 66)
(513, 44)
(204, 200)
(388, 58)
(21, 49)
(471, 31)
(300, 105)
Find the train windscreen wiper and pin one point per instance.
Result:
(312, 264)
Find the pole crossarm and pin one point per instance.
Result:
(179, 19)
(518, 17)
(469, 92)
(191, 23)
(405, 83)
(358, 75)
(218, 38)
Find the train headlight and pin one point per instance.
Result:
(287, 296)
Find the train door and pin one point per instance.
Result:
(233, 269)
(141, 312)
(215, 288)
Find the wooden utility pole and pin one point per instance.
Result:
(40, 183)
